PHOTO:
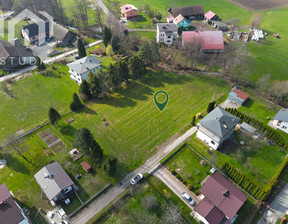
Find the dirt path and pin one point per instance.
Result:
(112, 194)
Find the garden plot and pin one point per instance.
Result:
(52, 140)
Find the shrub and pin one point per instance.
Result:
(190, 187)
(184, 182)
(173, 172)
(198, 115)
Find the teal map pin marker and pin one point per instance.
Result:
(161, 106)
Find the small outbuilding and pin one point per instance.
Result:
(238, 97)
(86, 166)
(247, 129)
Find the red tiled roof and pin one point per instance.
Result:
(213, 190)
(209, 40)
(178, 19)
(128, 8)
(85, 166)
(210, 15)
(210, 212)
(241, 94)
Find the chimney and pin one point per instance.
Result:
(226, 193)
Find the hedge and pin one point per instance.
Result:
(270, 133)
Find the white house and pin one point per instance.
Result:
(81, 68)
(166, 33)
(216, 127)
(280, 121)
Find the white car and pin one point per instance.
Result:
(187, 198)
(136, 179)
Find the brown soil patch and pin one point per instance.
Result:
(253, 5)
(51, 140)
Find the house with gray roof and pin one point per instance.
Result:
(280, 121)
(80, 69)
(216, 127)
(10, 211)
(54, 182)
(166, 33)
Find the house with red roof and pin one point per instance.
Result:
(180, 21)
(210, 41)
(10, 211)
(221, 201)
(238, 97)
(211, 16)
(129, 12)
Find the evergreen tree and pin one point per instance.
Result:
(95, 150)
(211, 106)
(114, 44)
(180, 30)
(145, 53)
(40, 65)
(84, 90)
(95, 84)
(81, 49)
(83, 139)
(110, 166)
(123, 71)
(53, 115)
(136, 67)
(76, 104)
(114, 76)
(106, 36)
(193, 121)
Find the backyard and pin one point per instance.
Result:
(255, 158)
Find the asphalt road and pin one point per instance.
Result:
(109, 196)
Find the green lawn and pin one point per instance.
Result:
(128, 119)
(142, 22)
(187, 164)
(146, 34)
(259, 164)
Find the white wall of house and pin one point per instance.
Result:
(201, 218)
(281, 125)
(166, 38)
(206, 139)
(84, 76)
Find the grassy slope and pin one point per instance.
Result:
(272, 53)
(33, 97)
(147, 35)
(136, 123)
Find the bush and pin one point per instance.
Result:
(190, 187)
(184, 182)
(198, 115)
(177, 176)
(173, 172)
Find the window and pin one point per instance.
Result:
(169, 37)
(284, 127)
(213, 142)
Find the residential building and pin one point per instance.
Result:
(238, 97)
(209, 41)
(216, 127)
(54, 182)
(188, 12)
(221, 201)
(180, 21)
(81, 68)
(211, 16)
(10, 211)
(129, 12)
(166, 33)
(65, 36)
(13, 57)
(280, 121)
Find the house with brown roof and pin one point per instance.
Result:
(10, 211)
(237, 96)
(188, 12)
(221, 201)
(55, 182)
(129, 12)
(209, 41)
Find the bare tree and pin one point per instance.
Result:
(263, 83)
(17, 145)
(279, 90)
(192, 51)
(80, 13)
(98, 16)
(255, 20)
(235, 23)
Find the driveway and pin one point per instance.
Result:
(175, 185)
(112, 194)
(277, 209)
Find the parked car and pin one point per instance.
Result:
(187, 198)
(136, 179)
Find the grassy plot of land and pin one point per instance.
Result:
(270, 55)
(33, 97)
(128, 119)
(146, 34)
(258, 162)
(223, 8)
(187, 164)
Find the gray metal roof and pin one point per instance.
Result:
(52, 186)
(219, 121)
(248, 127)
(167, 27)
(282, 115)
(84, 64)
